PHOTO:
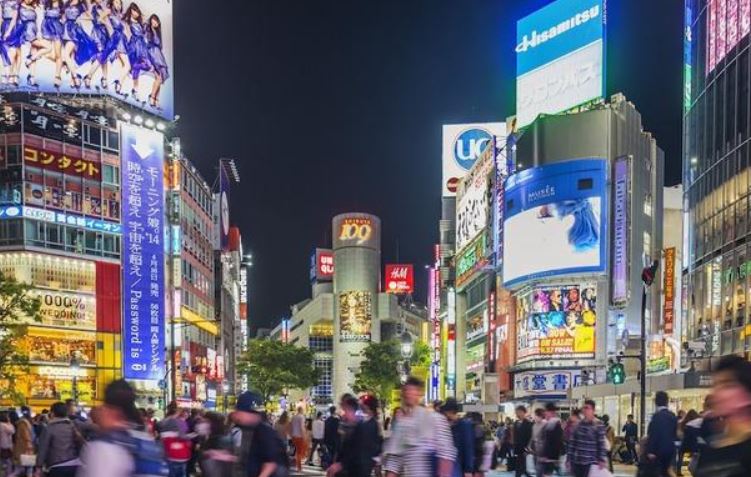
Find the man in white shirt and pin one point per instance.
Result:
(317, 431)
(297, 432)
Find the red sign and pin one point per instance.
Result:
(668, 310)
(400, 279)
(324, 264)
(60, 162)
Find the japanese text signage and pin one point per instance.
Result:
(553, 383)
(727, 24)
(472, 258)
(143, 252)
(621, 230)
(60, 162)
(400, 279)
(53, 217)
(668, 287)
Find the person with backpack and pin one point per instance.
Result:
(59, 445)
(122, 447)
(260, 453)
(178, 447)
(551, 443)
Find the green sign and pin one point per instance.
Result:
(471, 259)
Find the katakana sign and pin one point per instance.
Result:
(62, 162)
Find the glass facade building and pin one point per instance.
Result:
(717, 80)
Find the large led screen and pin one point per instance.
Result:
(355, 316)
(560, 58)
(555, 221)
(557, 322)
(117, 47)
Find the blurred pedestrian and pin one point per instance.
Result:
(6, 443)
(317, 433)
(330, 437)
(297, 433)
(261, 453)
(551, 438)
(217, 453)
(631, 436)
(178, 446)
(587, 446)
(661, 436)
(538, 423)
(281, 426)
(60, 445)
(522, 439)
(23, 448)
(688, 428)
(462, 432)
(122, 447)
(729, 455)
(609, 439)
(359, 439)
(420, 440)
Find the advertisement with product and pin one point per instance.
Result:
(620, 282)
(48, 345)
(556, 221)
(477, 326)
(56, 382)
(400, 279)
(66, 310)
(471, 259)
(560, 58)
(548, 384)
(357, 230)
(355, 316)
(462, 146)
(143, 252)
(557, 322)
(122, 49)
(473, 201)
(475, 358)
(728, 22)
(322, 265)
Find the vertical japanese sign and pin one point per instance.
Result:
(223, 208)
(142, 153)
(668, 310)
(621, 226)
(451, 342)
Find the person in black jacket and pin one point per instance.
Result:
(330, 437)
(661, 435)
(462, 430)
(522, 437)
(552, 442)
(360, 440)
(261, 451)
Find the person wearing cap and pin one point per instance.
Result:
(261, 453)
(462, 430)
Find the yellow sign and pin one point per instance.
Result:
(358, 230)
(195, 319)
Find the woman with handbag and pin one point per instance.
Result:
(23, 449)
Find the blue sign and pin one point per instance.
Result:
(142, 153)
(555, 221)
(469, 146)
(17, 211)
(558, 29)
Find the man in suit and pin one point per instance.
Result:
(522, 436)
(661, 435)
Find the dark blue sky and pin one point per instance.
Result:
(334, 106)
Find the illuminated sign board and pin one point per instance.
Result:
(471, 259)
(400, 279)
(621, 230)
(69, 310)
(668, 288)
(451, 340)
(124, 51)
(463, 144)
(62, 162)
(357, 230)
(473, 208)
(557, 322)
(322, 265)
(560, 58)
(555, 221)
(549, 384)
(13, 212)
(142, 155)
(728, 22)
(243, 293)
(355, 316)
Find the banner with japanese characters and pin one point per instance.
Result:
(142, 155)
(553, 383)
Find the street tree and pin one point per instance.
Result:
(18, 308)
(273, 367)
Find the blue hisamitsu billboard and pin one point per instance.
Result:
(555, 221)
(560, 58)
(142, 163)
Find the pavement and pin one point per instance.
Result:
(619, 471)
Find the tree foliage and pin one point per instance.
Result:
(273, 366)
(379, 373)
(17, 309)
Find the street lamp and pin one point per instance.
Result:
(225, 389)
(75, 366)
(406, 350)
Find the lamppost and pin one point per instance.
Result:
(406, 350)
(75, 366)
(225, 391)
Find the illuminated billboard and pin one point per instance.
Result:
(555, 221)
(355, 316)
(557, 322)
(473, 204)
(357, 230)
(143, 252)
(322, 265)
(400, 279)
(462, 146)
(728, 22)
(560, 58)
(121, 48)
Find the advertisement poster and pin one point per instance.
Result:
(322, 265)
(556, 221)
(355, 316)
(621, 231)
(473, 208)
(67, 310)
(400, 279)
(477, 326)
(122, 49)
(560, 58)
(728, 22)
(357, 230)
(143, 252)
(462, 146)
(471, 259)
(557, 322)
(668, 287)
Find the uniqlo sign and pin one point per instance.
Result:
(400, 279)
(323, 265)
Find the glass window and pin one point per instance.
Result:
(14, 155)
(648, 205)
(54, 236)
(110, 174)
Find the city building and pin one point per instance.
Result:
(347, 308)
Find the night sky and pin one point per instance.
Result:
(337, 106)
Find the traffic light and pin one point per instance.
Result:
(616, 372)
